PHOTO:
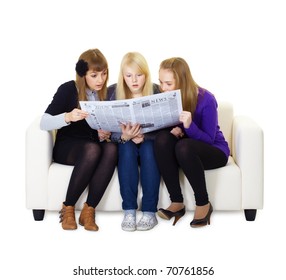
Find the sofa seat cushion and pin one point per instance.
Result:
(224, 187)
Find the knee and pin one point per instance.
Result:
(91, 149)
(147, 146)
(90, 152)
(147, 150)
(127, 150)
(163, 138)
(111, 148)
(184, 149)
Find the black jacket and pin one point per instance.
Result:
(65, 100)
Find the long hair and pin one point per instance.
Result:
(96, 61)
(184, 81)
(138, 63)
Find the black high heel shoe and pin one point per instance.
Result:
(204, 221)
(168, 215)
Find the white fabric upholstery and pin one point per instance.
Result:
(237, 186)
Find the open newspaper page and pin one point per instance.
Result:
(152, 112)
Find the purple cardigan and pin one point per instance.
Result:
(204, 126)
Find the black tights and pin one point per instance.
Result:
(94, 164)
(193, 157)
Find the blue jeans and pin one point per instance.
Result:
(131, 156)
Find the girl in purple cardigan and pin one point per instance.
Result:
(194, 146)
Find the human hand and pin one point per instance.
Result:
(103, 135)
(177, 131)
(138, 139)
(75, 115)
(186, 118)
(130, 131)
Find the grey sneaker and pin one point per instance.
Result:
(147, 222)
(129, 222)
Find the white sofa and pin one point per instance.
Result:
(237, 186)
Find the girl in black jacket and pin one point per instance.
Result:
(91, 153)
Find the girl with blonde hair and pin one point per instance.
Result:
(136, 159)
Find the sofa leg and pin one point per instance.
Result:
(250, 214)
(38, 214)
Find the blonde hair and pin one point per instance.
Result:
(96, 61)
(137, 61)
(184, 81)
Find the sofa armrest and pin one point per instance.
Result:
(39, 149)
(248, 153)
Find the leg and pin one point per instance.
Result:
(128, 174)
(98, 184)
(194, 157)
(85, 156)
(149, 177)
(38, 214)
(150, 182)
(103, 173)
(164, 148)
(250, 214)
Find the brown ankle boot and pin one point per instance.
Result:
(67, 217)
(87, 218)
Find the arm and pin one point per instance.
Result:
(39, 149)
(208, 117)
(49, 122)
(248, 152)
(63, 108)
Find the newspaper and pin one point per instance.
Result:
(152, 112)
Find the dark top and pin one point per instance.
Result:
(65, 100)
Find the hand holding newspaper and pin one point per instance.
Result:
(152, 112)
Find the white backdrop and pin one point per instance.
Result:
(235, 49)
